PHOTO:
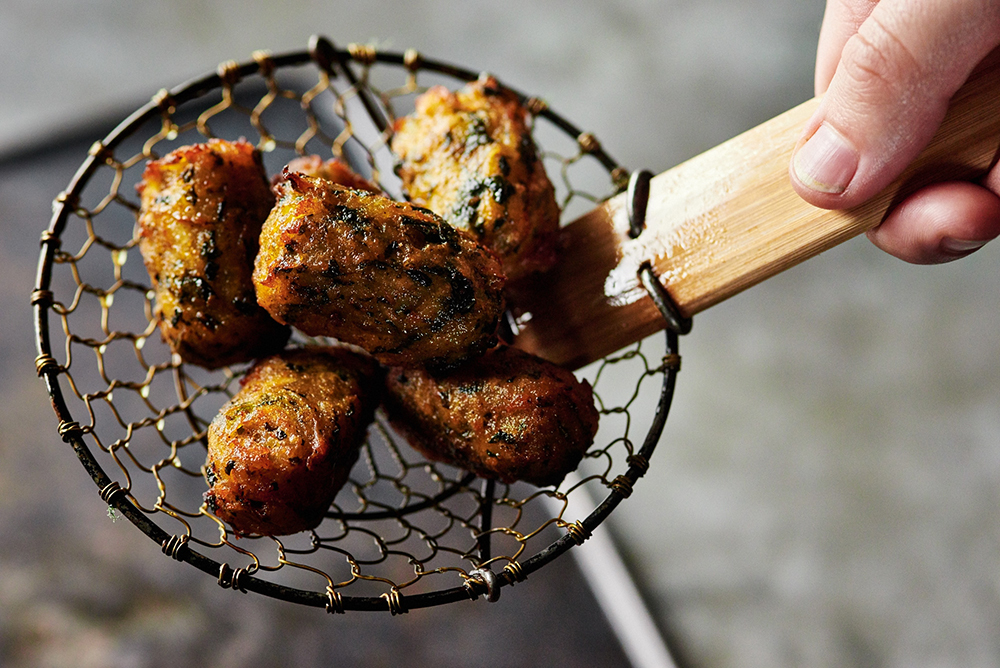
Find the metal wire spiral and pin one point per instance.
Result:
(404, 533)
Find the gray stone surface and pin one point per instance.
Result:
(826, 491)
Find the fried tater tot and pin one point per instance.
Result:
(508, 415)
(469, 157)
(387, 276)
(283, 446)
(202, 207)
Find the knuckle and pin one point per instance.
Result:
(876, 56)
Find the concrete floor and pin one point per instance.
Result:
(827, 487)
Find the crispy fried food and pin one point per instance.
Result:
(508, 415)
(387, 276)
(283, 446)
(202, 207)
(334, 170)
(469, 157)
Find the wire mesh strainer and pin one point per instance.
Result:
(404, 533)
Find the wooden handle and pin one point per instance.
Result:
(720, 223)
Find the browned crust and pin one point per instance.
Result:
(283, 446)
(202, 207)
(508, 415)
(469, 156)
(387, 276)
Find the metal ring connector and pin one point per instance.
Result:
(639, 462)
(515, 572)
(224, 575)
(535, 105)
(109, 491)
(68, 429)
(229, 72)
(412, 60)
(46, 364)
(334, 601)
(577, 532)
(69, 200)
(172, 546)
(671, 362)
(620, 177)
(231, 579)
(484, 578)
(48, 237)
(99, 151)
(264, 61)
(588, 142)
(164, 100)
(622, 485)
(395, 602)
(363, 54)
(45, 297)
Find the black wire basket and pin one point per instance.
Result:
(403, 533)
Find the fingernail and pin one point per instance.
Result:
(827, 162)
(961, 246)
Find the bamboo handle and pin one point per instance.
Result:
(720, 223)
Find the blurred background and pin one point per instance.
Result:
(827, 486)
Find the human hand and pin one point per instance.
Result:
(888, 70)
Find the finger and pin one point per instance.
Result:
(889, 94)
(841, 20)
(940, 223)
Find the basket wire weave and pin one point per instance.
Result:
(404, 533)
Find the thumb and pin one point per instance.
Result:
(889, 94)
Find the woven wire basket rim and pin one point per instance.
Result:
(328, 58)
